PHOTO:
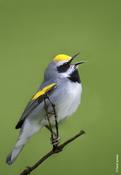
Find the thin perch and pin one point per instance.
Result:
(58, 149)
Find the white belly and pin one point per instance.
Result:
(69, 100)
(66, 100)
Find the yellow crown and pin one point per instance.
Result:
(62, 57)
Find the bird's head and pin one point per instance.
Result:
(62, 66)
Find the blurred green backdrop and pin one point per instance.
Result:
(31, 33)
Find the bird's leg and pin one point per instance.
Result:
(56, 139)
(49, 123)
(50, 130)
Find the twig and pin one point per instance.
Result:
(58, 149)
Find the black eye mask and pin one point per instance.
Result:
(63, 68)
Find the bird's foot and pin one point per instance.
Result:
(55, 141)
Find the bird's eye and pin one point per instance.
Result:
(63, 68)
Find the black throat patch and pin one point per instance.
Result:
(74, 77)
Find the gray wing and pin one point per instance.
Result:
(33, 104)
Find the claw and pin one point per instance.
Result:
(55, 141)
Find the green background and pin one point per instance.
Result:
(31, 33)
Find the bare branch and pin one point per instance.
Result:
(56, 150)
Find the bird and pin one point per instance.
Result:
(63, 86)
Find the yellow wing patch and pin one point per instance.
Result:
(43, 91)
(62, 57)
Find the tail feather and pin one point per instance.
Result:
(27, 131)
(15, 152)
(13, 155)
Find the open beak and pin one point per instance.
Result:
(78, 63)
(73, 57)
(81, 62)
